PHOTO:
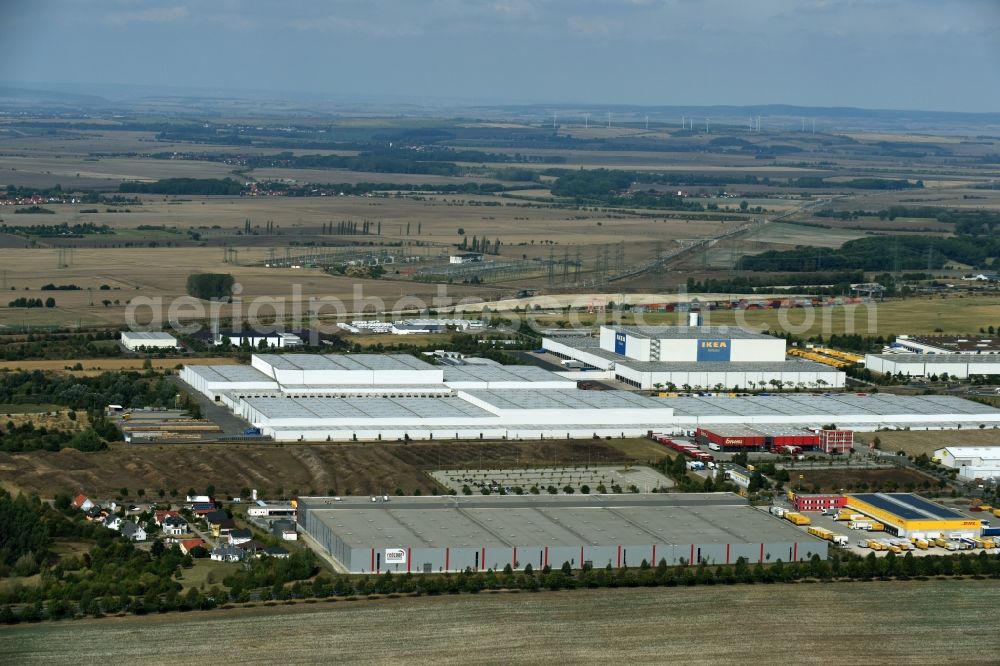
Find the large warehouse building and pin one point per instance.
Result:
(435, 534)
(698, 357)
(342, 397)
(956, 366)
(908, 515)
(972, 462)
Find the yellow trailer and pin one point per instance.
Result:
(821, 532)
(876, 527)
(797, 518)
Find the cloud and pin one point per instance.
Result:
(151, 15)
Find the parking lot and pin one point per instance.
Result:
(855, 536)
(507, 481)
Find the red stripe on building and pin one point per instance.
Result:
(546, 556)
(795, 552)
(653, 563)
(761, 553)
(409, 560)
(727, 553)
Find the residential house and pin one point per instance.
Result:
(113, 522)
(236, 537)
(188, 545)
(94, 514)
(133, 532)
(284, 530)
(251, 547)
(227, 554)
(203, 509)
(162, 514)
(82, 502)
(278, 552)
(223, 527)
(174, 526)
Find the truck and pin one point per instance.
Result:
(696, 465)
(996, 512)
(570, 363)
(777, 511)
(840, 540)
(797, 518)
(859, 525)
(876, 527)
(251, 432)
(847, 514)
(713, 446)
(922, 544)
(990, 531)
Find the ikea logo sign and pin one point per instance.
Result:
(714, 350)
(620, 339)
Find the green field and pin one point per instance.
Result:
(918, 315)
(878, 622)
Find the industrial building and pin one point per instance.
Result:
(258, 339)
(727, 437)
(972, 462)
(956, 366)
(342, 397)
(908, 515)
(147, 340)
(816, 501)
(436, 534)
(944, 344)
(695, 357)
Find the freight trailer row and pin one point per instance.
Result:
(689, 450)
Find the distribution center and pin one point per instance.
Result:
(436, 534)
(344, 397)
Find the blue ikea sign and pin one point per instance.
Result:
(714, 350)
(620, 343)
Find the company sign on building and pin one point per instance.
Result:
(714, 350)
(620, 339)
(395, 556)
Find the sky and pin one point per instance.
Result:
(940, 55)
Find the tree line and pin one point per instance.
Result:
(879, 253)
(185, 186)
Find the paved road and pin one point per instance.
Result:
(218, 414)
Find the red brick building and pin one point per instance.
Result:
(809, 502)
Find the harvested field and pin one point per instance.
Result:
(915, 442)
(347, 469)
(872, 479)
(930, 622)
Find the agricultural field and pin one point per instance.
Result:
(935, 621)
(835, 480)
(94, 366)
(915, 442)
(276, 469)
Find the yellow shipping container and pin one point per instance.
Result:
(877, 527)
(797, 518)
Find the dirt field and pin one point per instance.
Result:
(307, 469)
(847, 479)
(915, 442)
(930, 622)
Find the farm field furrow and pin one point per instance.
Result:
(677, 625)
